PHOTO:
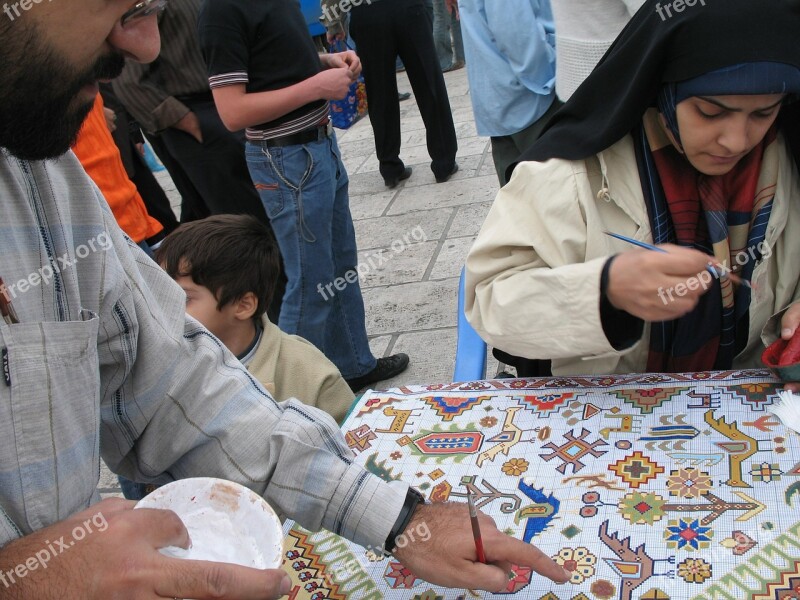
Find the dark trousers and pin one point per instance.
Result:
(214, 174)
(193, 207)
(382, 31)
(217, 167)
(507, 149)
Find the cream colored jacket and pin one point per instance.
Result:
(533, 274)
(289, 366)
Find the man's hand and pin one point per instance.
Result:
(657, 286)
(452, 8)
(190, 124)
(335, 36)
(789, 324)
(116, 556)
(111, 119)
(333, 84)
(446, 556)
(339, 60)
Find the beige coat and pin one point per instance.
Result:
(292, 367)
(533, 274)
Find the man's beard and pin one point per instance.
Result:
(40, 109)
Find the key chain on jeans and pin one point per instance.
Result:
(298, 190)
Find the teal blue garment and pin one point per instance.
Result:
(511, 62)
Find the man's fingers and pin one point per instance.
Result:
(161, 528)
(505, 548)
(203, 580)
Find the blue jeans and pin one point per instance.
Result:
(304, 192)
(132, 490)
(449, 50)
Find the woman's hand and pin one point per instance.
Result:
(789, 325)
(658, 286)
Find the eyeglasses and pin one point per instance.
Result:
(143, 9)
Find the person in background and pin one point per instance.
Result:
(228, 265)
(296, 166)
(448, 38)
(130, 142)
(99, 155)
(585, 30)
(511, 70)
(696, 153)
(384, 30)
(171, 100)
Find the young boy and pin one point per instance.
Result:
(228, 266)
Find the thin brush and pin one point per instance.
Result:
(710, 267)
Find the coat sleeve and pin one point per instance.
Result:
(533, 274)
(175, 403)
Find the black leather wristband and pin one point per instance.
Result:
(413, 500)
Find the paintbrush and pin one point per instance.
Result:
(476, 529)
(711, 268)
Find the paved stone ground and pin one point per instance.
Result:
(411, 295)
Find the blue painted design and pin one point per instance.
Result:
(539, 514)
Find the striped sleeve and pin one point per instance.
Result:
(224, 41)
(223, 79)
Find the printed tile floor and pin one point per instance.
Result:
(413, 238)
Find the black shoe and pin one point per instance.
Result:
(392, 182)
(386, 368)
(448, 176)
(403, 96)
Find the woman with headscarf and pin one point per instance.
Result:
(686, 135)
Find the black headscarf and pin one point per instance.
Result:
(655, 49)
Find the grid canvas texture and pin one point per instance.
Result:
(645, 486)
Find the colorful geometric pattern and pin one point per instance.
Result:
(636, 469)
(449, 407)
(656, 486)
(648, 399)
(359, 439)
(573, 450)
(544, 406)
(397, 576)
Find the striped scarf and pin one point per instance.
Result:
(724, 216)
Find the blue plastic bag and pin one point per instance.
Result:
(347, 111)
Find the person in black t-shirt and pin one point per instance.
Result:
(267, 77)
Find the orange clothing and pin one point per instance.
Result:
(99, 155)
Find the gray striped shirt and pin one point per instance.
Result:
(104, 362)
(150, 92)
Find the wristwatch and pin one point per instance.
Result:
(413, 499)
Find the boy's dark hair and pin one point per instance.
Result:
(228, 254)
